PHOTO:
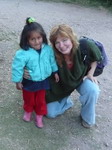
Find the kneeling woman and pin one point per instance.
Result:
(74, 74)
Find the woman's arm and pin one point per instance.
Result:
(26, 74)
(56, 77)
(91, 72)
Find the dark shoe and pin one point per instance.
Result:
(86, 125)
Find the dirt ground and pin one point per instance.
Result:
(64, 132)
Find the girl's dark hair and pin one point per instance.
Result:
(28, 28)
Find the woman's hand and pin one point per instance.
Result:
(91, 72)
(91, 77)
(19, 86)
(26, 74)
(56, 77)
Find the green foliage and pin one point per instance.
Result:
(106, 3)
(96, 3)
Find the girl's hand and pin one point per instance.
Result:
(26, 74)
(56, 77)
(19, 86)
(91, 77)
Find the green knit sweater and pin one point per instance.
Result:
(71, 79)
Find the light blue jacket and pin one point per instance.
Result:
(40, 65)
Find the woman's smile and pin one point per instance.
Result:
(63, 45)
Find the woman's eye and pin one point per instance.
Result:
(39, 38)
(65, 40)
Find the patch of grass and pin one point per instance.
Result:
(92, 3)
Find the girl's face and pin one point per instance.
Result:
(63, 45)
(35, 40)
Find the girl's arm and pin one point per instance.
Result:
(18, 65)
(19, 86)
(53, 61)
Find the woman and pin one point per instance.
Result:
(74, 74)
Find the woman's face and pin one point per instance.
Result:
(63, 45)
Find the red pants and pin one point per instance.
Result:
(35, 101)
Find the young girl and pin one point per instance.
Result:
(38, 58)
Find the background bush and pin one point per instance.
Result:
(96, 3)
(103, 2)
